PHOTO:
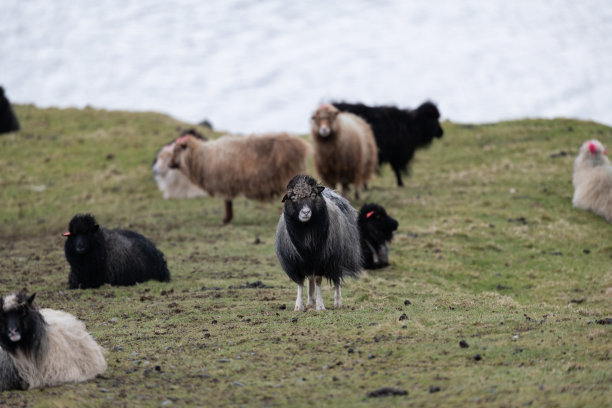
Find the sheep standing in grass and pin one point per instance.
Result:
(376, 231)
(592, 180)
(44, 347)
(317, 237)
(256, 166)
(118, 257)
(172, 182)
(344, 148)
(398, 132)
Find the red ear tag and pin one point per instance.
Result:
(368, 215)
(592, 148)
(66, 234)
(182, 139)
(283, 199)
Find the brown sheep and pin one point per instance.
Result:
(344, 148)
(256, 166)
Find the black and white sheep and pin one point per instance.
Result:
(44, 347)
(117, 257)
(317, 237)
(8, 120)
(376, 231)
(592, 179)
(398, 132)
(344, 148)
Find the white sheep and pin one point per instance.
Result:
(592, 180)
(46, 347)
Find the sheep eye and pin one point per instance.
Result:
(293, 198)
(313, 195)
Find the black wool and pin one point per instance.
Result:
(375, 231)
(117, 257)
(398, 132)
(8, 120)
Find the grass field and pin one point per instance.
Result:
(489, 251)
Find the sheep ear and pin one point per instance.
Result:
(31, 299)
(96, 227)
(319, 189)
(284, 198)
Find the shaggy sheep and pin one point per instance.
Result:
(44, 347)
(118, 257)
(8, 120)
(592, 180)
(316, 237)
(344, 148)
(256, 166)
(398, 132)
(376, 231)
(172, 182)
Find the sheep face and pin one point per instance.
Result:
(82, 230)
(180, 152)
(15, 318)
(161, 164)
(303, 198)
(376, 223)
(322, 121)
(428, 119)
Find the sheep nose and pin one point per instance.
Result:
(13, 335)
(80, 248)
(305, 214)
(324, 131)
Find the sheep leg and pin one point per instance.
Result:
(337, 297)
(229, 212)
(311, 291)
(320, 305)
(398, 176)
(299, 302)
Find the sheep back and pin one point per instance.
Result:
(68, 353)
(349, 155)
(256, 166)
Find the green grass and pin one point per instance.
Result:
(489, 250)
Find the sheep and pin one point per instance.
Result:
(8, 120)
(592, 180)
(317, 236)
(256, 166)
(375, 231)
(117, 257)
(398, 132)
(172, 182)
(44, 347)
(344, 148)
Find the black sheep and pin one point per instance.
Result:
(118, 257)
(8, 120)
(316, 237)
(376, 231)
(398, 132)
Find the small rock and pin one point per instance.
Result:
(350, 350)
(477, 357)
(403, 317)
(294, 320)
(607, 320)
(407, 302)
(238, 384)
(586, 251)
(282, 307)
(463, 344)
(433, 389)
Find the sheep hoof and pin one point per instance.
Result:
(320, 307)
(338, 305)
(299, 308)
(309, 305)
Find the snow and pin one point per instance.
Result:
(254, 66)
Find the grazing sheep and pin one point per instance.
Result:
(172, 182)
(592, 180)
(256, 166)
(344, 148)
(398, 132)
(8, 120)
(45, 347)
(376, 231)
(317, 236)
(117, 257)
